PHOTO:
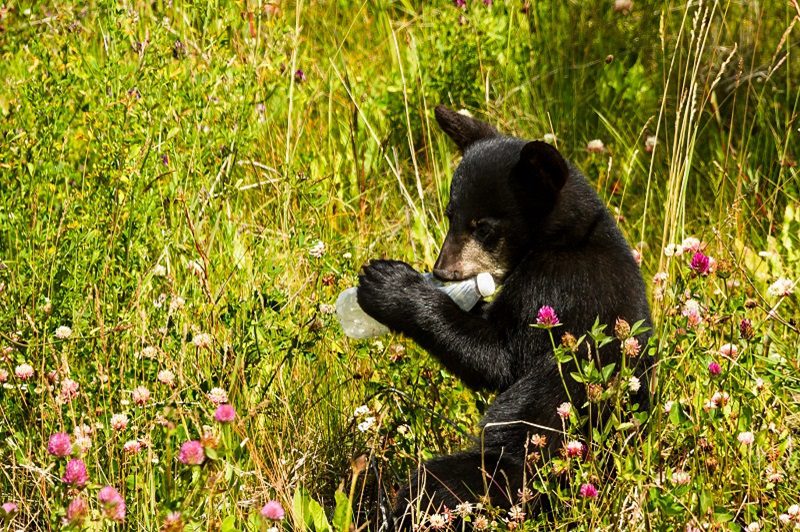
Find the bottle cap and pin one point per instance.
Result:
(485, 283)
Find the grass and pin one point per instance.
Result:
(151, 151)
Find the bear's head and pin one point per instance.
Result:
(502, 192)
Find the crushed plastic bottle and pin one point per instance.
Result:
(358, 324)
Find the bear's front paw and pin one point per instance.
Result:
(388, 291)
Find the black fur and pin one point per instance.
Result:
(558, 246)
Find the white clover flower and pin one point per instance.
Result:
(317, 250)
(165, 376)
(691, 245)
(361, 411)
(176, 303)
(634, 384)
(680, 477)
(365, 425)
(327, 308)
(159, 270)
(63, 332)
(549, 138)
(595, 146)
(119, 422)
(202, 340)
(218, 396)
(564, 410)
(668, 406)
(783, 287)
(650, 143)
(746, 438)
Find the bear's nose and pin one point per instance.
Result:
(446, 275)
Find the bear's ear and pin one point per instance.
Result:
(462, 128)
(542, 169)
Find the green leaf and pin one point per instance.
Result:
(310, 511)
(577, 376)
(608, 370)
(228, 524)
(342, 515)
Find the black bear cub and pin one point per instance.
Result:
(519, 211)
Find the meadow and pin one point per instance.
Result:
(187, 185)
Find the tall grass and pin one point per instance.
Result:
(143, 134)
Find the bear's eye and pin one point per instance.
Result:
(483, 229)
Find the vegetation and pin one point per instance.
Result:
(186, 186)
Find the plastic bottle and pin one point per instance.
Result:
(358, 324)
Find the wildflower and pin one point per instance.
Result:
(63, 332)
(637, 256)
(23, 372)
(595, 146)
(720, 398)
(218, 396)
(69, 390)
(460, 3)
(317, 250)
(516, 513)
(691, 245)
(113, 504)
(165, 376)
(327, 308)
(573, 448)
(564, 410)
(668, 406)
(464, 509)
(650, 143)
(680, 477)
(59, 444)
(75, 473)
(538, 440)
(9, 508)
(549, 138)
(772, 474)
(753, 527)
(77, 511)
(729, 351)
(437, 521)
(699, 263)
(361, 411)
(785, 519)
(588, 491)
(634, 384)
(224, 413)
(141, 395)
(202, 340)
(173, 522)
(176, 303)
(660, 278)
(570, 342)
(272, 510)
(622, 329)
(759, 384)
(746, 329)
(783, 287)
(746, 438)
(481, 522)
(148, 352)
(299, 76)
(631, 347)
(547, 317)
(365, 425)
(192, 453)
(119, 422)
(594, 392)
(673, 250)
(195, 268)
(159, 270)
(3, 376)
(132, 447)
